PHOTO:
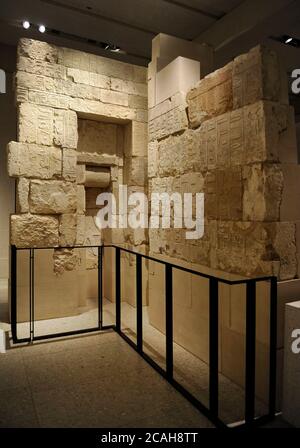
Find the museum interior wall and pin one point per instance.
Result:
(83, 129)
(7, 133)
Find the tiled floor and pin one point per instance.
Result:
(91, 381)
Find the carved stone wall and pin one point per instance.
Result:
(75, 111)
(232, 137)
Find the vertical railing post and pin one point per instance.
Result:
(250, 351)
(169, 320)
(273, 346)
(118, 289)
(213, 345)
(139, 304)
(13, 292)
(31, 297)
(100, 287)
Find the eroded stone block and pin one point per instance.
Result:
(67, 229)
(257, 76)
(25, 160)
(22, 195)
(37, 51)
(34, 231)
(69, 164)
(52, 197)
(65, 260)
(212, 96)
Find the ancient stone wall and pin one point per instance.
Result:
(82, 119)
(233, 138)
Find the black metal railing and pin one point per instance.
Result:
(212, 410)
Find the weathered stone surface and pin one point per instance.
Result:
(64, 260)
(169, 123)
(97, 137)
(80, 199)
(256, 76)
(80, 174)
(22, 195)
(41, 68)
(96, 110)
(135, 171)
(65, 132)
(52, 197)
(96, 159)
(223, 194)
(88, 78)
(67, 229)
(212, 96)
(136, 139)
(130, 87)
(37, 51)
(152, 159)
(34, 161)
(35, 124)
(263, 187)
(46, 126)
(69, 164)
(137, 102)
(34, 231)
(99, 64)
(256, 248)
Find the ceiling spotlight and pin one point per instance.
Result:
(26, 24)
(288, 40)
(42, 28)
(114, 48)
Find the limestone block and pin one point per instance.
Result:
(284, 237)
(223, 194)
(136, 139)
(97, 179)
(101, 65)
(65, 129)
(256, 248)
(34, 161)
(257, 76)
(41, 68)
(130, 87)
(88, 78)
(135, 171)
(179, 99)
(80, 199)
(212, 96)
(35, 124)
(80, 234)
(22, 195)
(37, 51)
(137, 102)
(152, 159)
(97, 137)
(44, 99)
(67, 229)
(289, 209)
(111, 97)
(95, 110)
(52, 197)
(34, 231)
(80, 174)
(263, 187)
(64, 260)
(169, 123)
(180, 75)
(291, 372)
(96, 159)
(69, 164)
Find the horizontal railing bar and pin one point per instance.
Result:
(157, 260)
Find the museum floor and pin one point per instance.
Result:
(91, 381)
(98, 380)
